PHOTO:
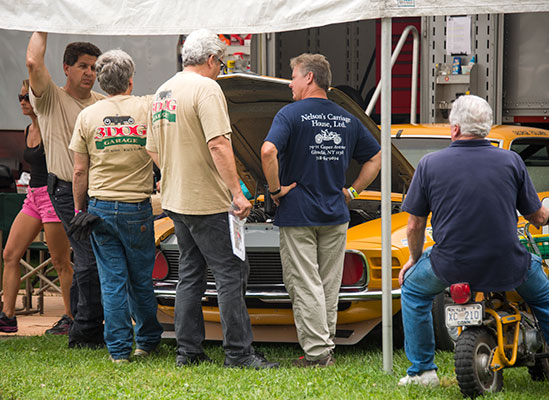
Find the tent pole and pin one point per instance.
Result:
(386, 261)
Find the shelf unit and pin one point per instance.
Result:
(450, 87)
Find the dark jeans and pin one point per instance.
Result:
(123, 243)
(203, 242)
(85, 290)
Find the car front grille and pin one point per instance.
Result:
(265, 268)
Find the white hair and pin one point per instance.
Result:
(200, 45)
(114, 69)
(472, 114)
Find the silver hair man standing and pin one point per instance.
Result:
(473, 190)
(190, 142)
(112, 166)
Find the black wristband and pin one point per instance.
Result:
(277, 191)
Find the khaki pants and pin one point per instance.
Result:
(312, 263)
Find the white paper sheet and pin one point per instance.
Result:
(236, 228)
(458, 35)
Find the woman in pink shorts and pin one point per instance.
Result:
(37, 213)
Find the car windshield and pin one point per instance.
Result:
(413, 148)
(535, 154)
(533, 151)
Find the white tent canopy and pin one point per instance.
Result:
(161, 17)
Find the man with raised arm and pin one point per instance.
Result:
(57, 109)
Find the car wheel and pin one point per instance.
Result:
(445, 338)
(540, 371)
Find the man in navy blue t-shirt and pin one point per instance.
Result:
(473, 191)
(305, 157)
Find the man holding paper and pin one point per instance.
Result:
(190, 141)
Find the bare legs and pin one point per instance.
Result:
(23, 230)
(60, 248)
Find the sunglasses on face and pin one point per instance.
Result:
(23, 97)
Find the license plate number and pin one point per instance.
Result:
(469, 314)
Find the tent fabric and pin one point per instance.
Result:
(163, 17)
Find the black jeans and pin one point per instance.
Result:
(203, 242)
(85, 290)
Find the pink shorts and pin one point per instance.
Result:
(38, 205)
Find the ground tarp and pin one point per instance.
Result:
(160, 17)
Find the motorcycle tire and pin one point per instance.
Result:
(540, 370)
(472, 362)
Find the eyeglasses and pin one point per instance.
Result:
(223, 65)
(23, 97)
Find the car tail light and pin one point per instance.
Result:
(460, 292)
(160, 269)
(353, 269)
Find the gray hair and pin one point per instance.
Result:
(473, 114)
(318, 65)
(200, 45)
(114, 70)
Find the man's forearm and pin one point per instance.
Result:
(223, 158)
(38, 73)
(368, 172)
(540, 217)
(269, 162)
(80, 180)
(80, 190)
(415, 233)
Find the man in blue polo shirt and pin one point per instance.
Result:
(313, 141)
(473, 190)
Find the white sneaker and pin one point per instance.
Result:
(427, 378)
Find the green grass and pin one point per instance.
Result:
(44, 368)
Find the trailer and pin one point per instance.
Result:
(511, 63)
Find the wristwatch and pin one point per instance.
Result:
(277, 191)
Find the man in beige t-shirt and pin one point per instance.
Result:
(113, 167)
(57, 109)
(189, 140)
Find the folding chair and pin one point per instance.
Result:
(41, 272)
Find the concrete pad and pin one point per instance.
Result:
(36, 324)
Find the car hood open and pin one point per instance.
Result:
(253, 102)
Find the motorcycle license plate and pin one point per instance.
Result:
(464, 315)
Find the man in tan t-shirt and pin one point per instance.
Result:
(57, 109)
(112, 166)
(189, 140)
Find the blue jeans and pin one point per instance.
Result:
(421, 286)
(204, 241)
(85, 291)
(123, 243)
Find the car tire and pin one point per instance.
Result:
(540, 370)
(445, 339)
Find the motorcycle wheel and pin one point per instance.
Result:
(472, 361)
(540, 370)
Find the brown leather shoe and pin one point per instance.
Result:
(323, 362)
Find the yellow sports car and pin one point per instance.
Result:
(253, 101)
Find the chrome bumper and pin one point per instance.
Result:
(283, 297)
